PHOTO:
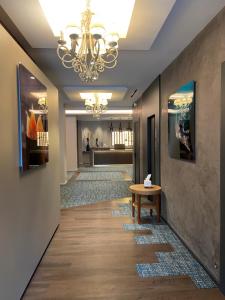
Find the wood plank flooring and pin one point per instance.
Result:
(92, 257)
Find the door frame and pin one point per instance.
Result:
(136, 123)
(149, 131)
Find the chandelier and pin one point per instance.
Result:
(88, 48)
(96, 103)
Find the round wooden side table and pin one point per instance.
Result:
(140, 190)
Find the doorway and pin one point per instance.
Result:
(151, 146)
(137, 151)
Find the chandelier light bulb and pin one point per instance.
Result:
(97, 31)
(112, 40)
(104, 102)
(72, 32)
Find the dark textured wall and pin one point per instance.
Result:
(146, 106)
(137, 168)
(150, 106)
(192, 201)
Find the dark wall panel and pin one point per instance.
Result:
(150, 107)
(147, 106)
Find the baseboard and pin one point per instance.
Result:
(192, 253)
(39, 262)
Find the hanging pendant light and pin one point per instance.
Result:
(120, 127)
(129, 126)
(111, 127)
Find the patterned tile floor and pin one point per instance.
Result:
(178, 262)
(111, 168)
(95, 184)
(109, 175)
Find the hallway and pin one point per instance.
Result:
(92, 257)
(113, 118)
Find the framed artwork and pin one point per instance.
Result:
(33, 120)
(181, 122)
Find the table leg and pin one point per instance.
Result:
(132, 203)
(158, 207)
(139, 208)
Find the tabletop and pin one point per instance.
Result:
(141, 190)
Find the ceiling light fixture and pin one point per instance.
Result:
(96, 103)
(89, 39)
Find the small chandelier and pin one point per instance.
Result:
(96, 103)
(88, 48)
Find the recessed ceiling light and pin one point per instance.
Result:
(32, 77)
(115, 15)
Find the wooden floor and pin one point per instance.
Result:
(92, 257)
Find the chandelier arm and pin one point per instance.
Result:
(61, 48)
(106, 64)
(108, 55)
(111, 66)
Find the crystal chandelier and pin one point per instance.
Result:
(96, 103)
(88, 48)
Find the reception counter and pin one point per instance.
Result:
(111, 156)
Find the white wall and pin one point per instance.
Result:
(62, 142)
(71, 143)
(29, 203)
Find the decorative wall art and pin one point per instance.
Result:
(181, 122)
(33, 120)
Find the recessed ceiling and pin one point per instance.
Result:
(147, 20)
(73, 93)
(115, 15)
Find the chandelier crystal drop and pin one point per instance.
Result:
(88, 48)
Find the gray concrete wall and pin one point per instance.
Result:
(29, 203)
(192, 202)
(150, 106)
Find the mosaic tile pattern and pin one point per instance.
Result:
(76, 193)
(125, 210)
(110, 175)
(180, 262)
(119, 168)
(95, 184)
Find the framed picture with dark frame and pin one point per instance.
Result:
(181, 122)
(32, 119)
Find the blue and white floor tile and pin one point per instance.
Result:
(98, 184)
(105, 176)
(177, 263)
(111, 168)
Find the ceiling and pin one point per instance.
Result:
(158, 32)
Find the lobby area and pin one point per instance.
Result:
(112, 173)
